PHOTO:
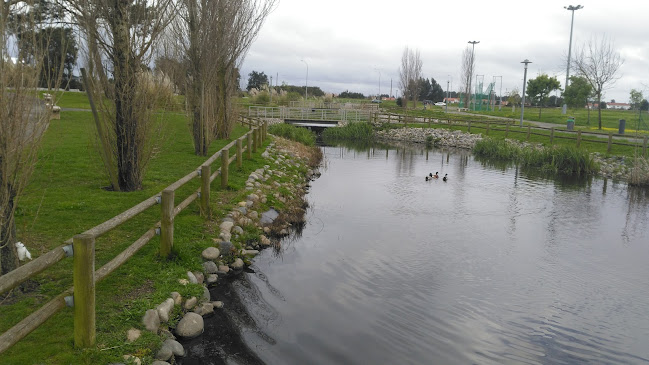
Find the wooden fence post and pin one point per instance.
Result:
(225, 168)
(529, 129)
(551, 135)
(488, 126)
(507, 130)
(644, 146)
(254, 140)
(84, 290)
(578, 138)
(239, 153)
(610, 142)
(206, 171)
(249, 146)
(259, 133)
(167, 223)
(389, 117)
(469, 128)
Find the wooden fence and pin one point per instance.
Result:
(509, 127)
(82, 246)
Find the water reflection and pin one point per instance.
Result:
(497, 265)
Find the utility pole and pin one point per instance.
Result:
(564, 110)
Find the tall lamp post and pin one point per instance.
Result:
(572, 8)
(524, 84)
(447, 82)
(306, 84)
(379, 71)
(473, 43)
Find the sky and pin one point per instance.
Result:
(350, 45)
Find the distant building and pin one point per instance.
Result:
(616, 106)
(451, 100)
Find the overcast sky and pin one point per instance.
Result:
(348, 43)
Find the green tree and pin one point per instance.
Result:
(514, 98)
(540, 87)
(644, 105)
(635, 99)
(430, 90)
(578, 91)
(256, 80)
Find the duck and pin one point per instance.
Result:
(427, 178)
(445, 177)
(436, 176)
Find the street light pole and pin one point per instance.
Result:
(379, 71)
(564, 110)
(524, 84)
(306, 84)
(447, 82)
(473, 43)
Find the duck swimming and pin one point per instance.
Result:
(436, 176)
(445, 177)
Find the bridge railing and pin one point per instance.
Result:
(343, 115)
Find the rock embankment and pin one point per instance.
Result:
(436, 136)
(613, 167)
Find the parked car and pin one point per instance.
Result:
(440, 103)
(376, 101)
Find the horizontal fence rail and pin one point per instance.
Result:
(81, 246)
(342, 115)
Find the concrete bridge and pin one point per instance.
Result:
(311, 117)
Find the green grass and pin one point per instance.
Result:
(293, 133)
(65, 196)
(358, 131)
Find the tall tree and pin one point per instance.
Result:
(23, 118)
(256, 80)
(540, 87)
(635, 99)
(577, 93)
(124, 33)
(599, 63)
(514, 98)
(212, 38)
(468, 66)
(409, 74)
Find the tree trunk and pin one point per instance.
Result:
(599, 109)
(126, 125)
(8, 253)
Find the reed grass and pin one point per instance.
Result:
(566, 160)
(293, 133)
(357, 131)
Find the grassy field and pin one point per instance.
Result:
(66, 196)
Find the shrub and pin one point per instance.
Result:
(293, 133)
(357, 131)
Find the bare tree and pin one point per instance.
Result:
(409, 74)
(209, 40)
(24, 117)
(468, 66)
(599, 63)
(122, 33)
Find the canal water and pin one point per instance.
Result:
(494, 266)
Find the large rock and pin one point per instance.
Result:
(226, 248)
(175, 346)
(212, 279)
(164, 353)
(133, 334)
(176, 297)
(190, 326)
(237, 264)
(226, 226)
(191, 303)
(164, 309)
(192, 277)
(206, 295)
(210, 267)
(211, 253)
(268, 217)
(151, 320)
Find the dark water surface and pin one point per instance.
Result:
(493, 266)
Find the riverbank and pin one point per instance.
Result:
(274, 207)
(613, 167)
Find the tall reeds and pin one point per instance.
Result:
(566, 160)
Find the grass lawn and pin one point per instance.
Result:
(65, 196)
